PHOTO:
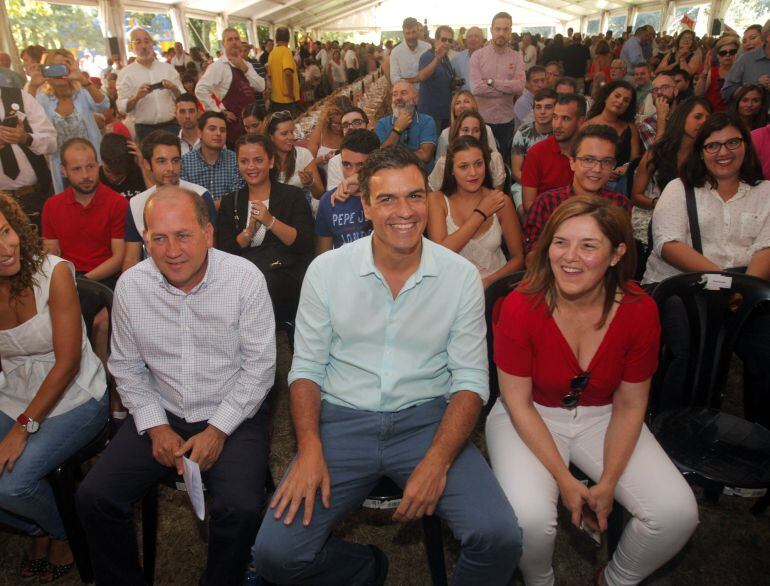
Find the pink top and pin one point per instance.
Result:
(506, 70)
(761, 139)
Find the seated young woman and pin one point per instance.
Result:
(469, 123)
(576, 346)
(462, 101)
(253, 118)
(472, 218)
(52, 400)
(269, 223)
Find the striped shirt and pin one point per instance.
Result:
(207, 355)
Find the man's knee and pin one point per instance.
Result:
(496, 536)
(93, 502)
(274, 558)
(243, 509)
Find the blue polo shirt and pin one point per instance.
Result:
(436, 91)
(344, 223)
(421, 131)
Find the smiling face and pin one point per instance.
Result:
(469, 169)
(580, 255)
(543, 111)
(283, 137)
(254, 164)
(725, 164)
(403, 96)
(398, 209)
(749, 104)
(641, 76)
(10, 256)
(617, 69)
(462, 102)
(176, 241)
(593, 164)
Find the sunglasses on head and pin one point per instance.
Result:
(726, 52)
(577, 385)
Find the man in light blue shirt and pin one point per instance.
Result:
(474, 39)
(632, 51)
(753, 67)
(388, 379)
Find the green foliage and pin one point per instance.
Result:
(54, 25)
(202, 33)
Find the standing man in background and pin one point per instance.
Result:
(474, 40)
(405, 57)
(282, 70)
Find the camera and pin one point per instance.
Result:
(55, 71)
(457, 84)
(156, 86)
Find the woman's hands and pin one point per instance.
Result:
(259, 213)
(306, 177)
(492, 202)
(599, 498)
(12, 447)
(575, 495)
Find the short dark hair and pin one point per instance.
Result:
(356, 109)
(115, 154)
(361, 141)
(410, 22)
(444, 27)
(679, 71)
(393, 157)
(643, 64)
(694, 172)
(503, 15)
(534, 69)
(545, 93)
(74, 142)
(158, 138)
(557, 64)
(567, 99)
(282, 34)
(567, 81)
(254, 109)
(208, 115)
(187, 97)
(600, 131)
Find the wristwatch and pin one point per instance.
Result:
(490, 81)
(29, 424)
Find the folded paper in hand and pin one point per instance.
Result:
(194, 485)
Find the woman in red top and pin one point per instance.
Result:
(576, 346)
(710, 84)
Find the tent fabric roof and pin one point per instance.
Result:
(312, 13)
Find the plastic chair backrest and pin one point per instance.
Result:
(714, 327)
(494, 295)
(93, 298)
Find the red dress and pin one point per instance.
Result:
(714, 91)
(529, 343)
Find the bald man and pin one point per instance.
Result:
(474, 40)
(406, 126)
(148, 88)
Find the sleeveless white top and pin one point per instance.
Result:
(484, 251)
(27, 356)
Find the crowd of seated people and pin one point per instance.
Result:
(180, 184)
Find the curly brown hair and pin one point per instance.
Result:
(31, 252)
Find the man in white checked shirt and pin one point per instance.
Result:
(193, 354)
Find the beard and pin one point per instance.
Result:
(407, 109)
(86, 187)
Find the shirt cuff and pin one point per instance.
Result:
(226, 419)
(306, 371)
(471, 380)
(149, 416)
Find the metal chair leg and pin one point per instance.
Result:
(434, 548)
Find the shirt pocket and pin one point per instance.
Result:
(750, 226)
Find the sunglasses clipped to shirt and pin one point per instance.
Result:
(577, 385)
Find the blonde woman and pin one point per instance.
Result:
(70, 102)
(326, 137)
(462, 101)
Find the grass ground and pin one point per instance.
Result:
(730, 547)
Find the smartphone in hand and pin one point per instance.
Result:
(156, 86)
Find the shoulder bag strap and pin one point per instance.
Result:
(692, 217)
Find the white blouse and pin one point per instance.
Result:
(731, 231)
(28, 356)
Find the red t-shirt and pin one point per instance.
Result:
(546, 167)
(529, 343)
(85, 233)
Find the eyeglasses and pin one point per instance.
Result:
(446, 39)
(357, 123)
(591, 162)
(713, 148)
(662, 88)
(577, 385)
(726, 52)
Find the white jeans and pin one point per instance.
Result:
(663, 506)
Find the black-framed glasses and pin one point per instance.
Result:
(591, 162)
(577, 385)
(726, 52)
(732, 144)
(357, 123)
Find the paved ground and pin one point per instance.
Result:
(730, 547)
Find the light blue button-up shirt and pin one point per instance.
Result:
(369, 351)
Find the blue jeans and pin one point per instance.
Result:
(360, 447)
(26, 499)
